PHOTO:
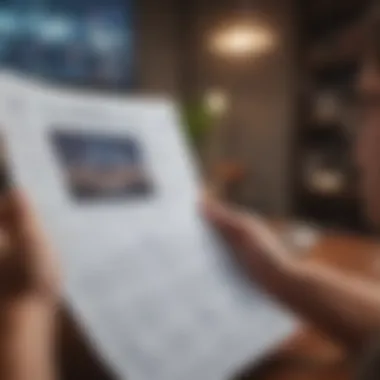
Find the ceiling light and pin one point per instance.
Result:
(242, 40)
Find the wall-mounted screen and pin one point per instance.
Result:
(85, 42)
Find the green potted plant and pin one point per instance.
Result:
(198, 121)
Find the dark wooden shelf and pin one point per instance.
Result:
(324, 8)
(327, 136)
(342, 48)
(347, 195)
(324, 17)
(331, 38)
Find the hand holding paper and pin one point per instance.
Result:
(147, 277)
(255, 246)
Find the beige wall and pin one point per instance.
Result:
(263, 100)
(157, 46)
(263, 90)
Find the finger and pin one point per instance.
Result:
(5, 243)
(17, 255)
(5, 236)
(210, 190)
(25, 228)
(30, 245)
(232, 224)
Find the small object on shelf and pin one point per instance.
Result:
(322, 176)
(327, 182)
(300, 237)
(327, 107)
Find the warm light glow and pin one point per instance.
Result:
(216, 102)
(242, 40)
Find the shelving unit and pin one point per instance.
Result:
(325, 174)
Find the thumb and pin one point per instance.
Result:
(231, 223)
(31, 249)
(24, 227)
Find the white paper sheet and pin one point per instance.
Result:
(153, 286)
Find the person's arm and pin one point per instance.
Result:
(345, 307)
(29, 341)
(29, 294)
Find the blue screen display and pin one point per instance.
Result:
(85, 42)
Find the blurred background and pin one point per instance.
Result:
(265, 89)
(264, 86)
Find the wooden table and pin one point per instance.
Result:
(310, 355)
(307, 356)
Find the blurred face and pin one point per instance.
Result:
(368, 143)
